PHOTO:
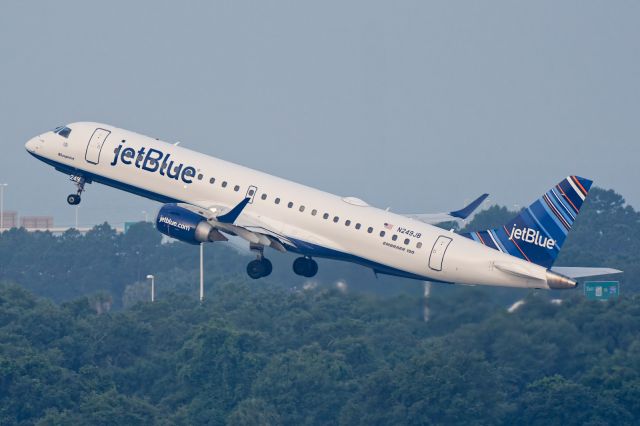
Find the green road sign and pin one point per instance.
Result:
(601, 290)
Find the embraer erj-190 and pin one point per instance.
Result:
(206, 199)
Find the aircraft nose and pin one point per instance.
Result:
(31, 144)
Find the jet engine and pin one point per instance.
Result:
(186, 226)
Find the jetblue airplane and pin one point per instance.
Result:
(206, 199)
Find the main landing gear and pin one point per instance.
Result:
(305, 266)
(261, 267)
(74, 199)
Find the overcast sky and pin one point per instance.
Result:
(416, 105)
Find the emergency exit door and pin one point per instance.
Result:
(94, 147)
(437, 253)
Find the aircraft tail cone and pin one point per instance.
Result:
(560, 282)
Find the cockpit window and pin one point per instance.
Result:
(63, 131)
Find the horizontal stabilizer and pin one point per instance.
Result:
(578, 272)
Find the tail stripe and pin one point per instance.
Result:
(544, 215)
(556, 212)
(495, 241)
(538, 232)
(571, 190)
(565, 207)
(566, 197)
(583, 192)
(575, 188)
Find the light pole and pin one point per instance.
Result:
(2, 186)
(201, 272)
(153, 287)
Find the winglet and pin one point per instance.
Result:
(232, 215)
(466, 211)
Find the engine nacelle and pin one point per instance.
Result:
(184, 225)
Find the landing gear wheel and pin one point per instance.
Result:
(259, 268)
(268, 267)
(74, 199)
(305, 266)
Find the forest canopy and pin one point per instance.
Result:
(80, 343)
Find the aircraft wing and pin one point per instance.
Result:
(256, 230)
(452, 216)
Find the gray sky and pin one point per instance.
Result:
(415, 105)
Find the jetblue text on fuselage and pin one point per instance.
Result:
(154, 161)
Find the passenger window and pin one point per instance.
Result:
(325, 216)
(419, 245)
(394, 238)
(358, 226)
(406, 242)
(251, 192)
(212, 181)
(301, 209)
(277, 200)
(290, 204)
(382, 233)
(336, 219)
(370, 230)
(264, 196)
(347, 223)
(236, 188)
(200, 176)
(224, 184)
(314, 212)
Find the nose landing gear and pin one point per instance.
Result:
(75, 199)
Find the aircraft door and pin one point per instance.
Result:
(437, 253)
(94, 147)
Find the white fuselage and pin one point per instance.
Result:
(318, 223)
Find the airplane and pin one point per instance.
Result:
(206, 199)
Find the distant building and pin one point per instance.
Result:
(36, 222)
(10, 220)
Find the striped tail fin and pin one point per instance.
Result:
(538, 232)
